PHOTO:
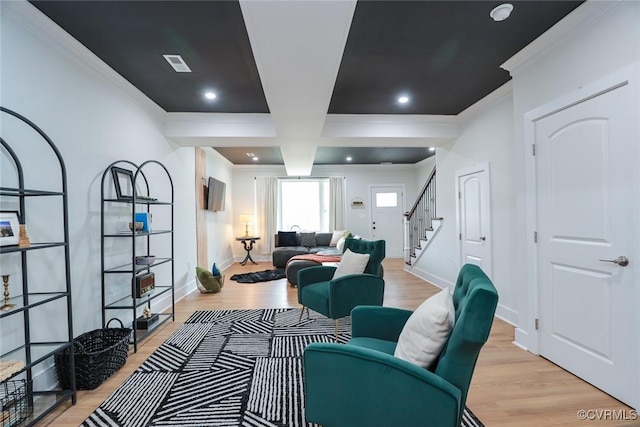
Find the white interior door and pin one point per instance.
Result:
(585, 155)
(387, 206)
(474, 217)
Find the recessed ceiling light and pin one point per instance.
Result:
(210, 95)
(432, 148)
(403, 99)
(255, 158)
(501, 12)
(349, 158)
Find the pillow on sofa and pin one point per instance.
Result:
(427, 330)
(287, 238)
(337, 235)
(340, 244)
(351, 263)
(308, 239)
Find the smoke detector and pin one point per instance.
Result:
(501, 12)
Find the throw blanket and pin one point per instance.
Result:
(317, 258)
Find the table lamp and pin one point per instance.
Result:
(246, 219)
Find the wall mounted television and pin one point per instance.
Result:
(216, 195)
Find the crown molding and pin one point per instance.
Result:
(37, 23)
(486, 103)
(583, 16)
(219, 125)
(217, 156)
(390, 126)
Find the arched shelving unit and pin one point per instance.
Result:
(35, 356)
(122, 277)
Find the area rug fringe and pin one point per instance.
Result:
(225, 368)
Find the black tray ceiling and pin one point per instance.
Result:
(445, 55)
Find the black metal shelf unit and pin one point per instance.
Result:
(32, 353)
(119, 294)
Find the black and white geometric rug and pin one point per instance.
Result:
(225, 368)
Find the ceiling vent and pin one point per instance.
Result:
(177, 63)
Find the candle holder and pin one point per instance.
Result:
(5, 282)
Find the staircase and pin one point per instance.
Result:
(421, 222)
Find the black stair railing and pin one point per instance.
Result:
(421, 215)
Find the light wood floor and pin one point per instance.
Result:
(510, 387)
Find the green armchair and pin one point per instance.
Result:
(335, 298)
(362, 383)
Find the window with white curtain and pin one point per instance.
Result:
(303, 204)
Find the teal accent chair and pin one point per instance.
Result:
(363, 384)
(336, 298)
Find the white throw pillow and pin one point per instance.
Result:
(337, 234)
(351, 263)
(340, 244)
(427, 330)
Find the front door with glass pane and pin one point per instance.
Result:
(387, 206)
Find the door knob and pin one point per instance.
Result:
(622, 261)
(483, 238)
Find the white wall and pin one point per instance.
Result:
(495, 135)
(608, 43)
(358, 178)
(423, 170)
(94, 118)
(220, 232)
(486, 136)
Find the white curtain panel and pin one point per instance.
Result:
(336, 203)
(266, 212)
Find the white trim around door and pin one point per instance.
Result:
(528, 335)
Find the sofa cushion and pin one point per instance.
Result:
(282, 255)
(323, 239)
(287, 238)
(308, 239)
(427, 330)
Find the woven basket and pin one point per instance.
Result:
(98, 354)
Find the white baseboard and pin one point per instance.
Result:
(522, 340)
(46, 379)
(507, 314)
(433, 279)
(256, 258)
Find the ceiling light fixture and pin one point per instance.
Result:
(403, 99)
(255, 158)
(432, 148)
(349, 158)
(501, 12)
(210, 95)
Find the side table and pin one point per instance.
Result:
(247, 247)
